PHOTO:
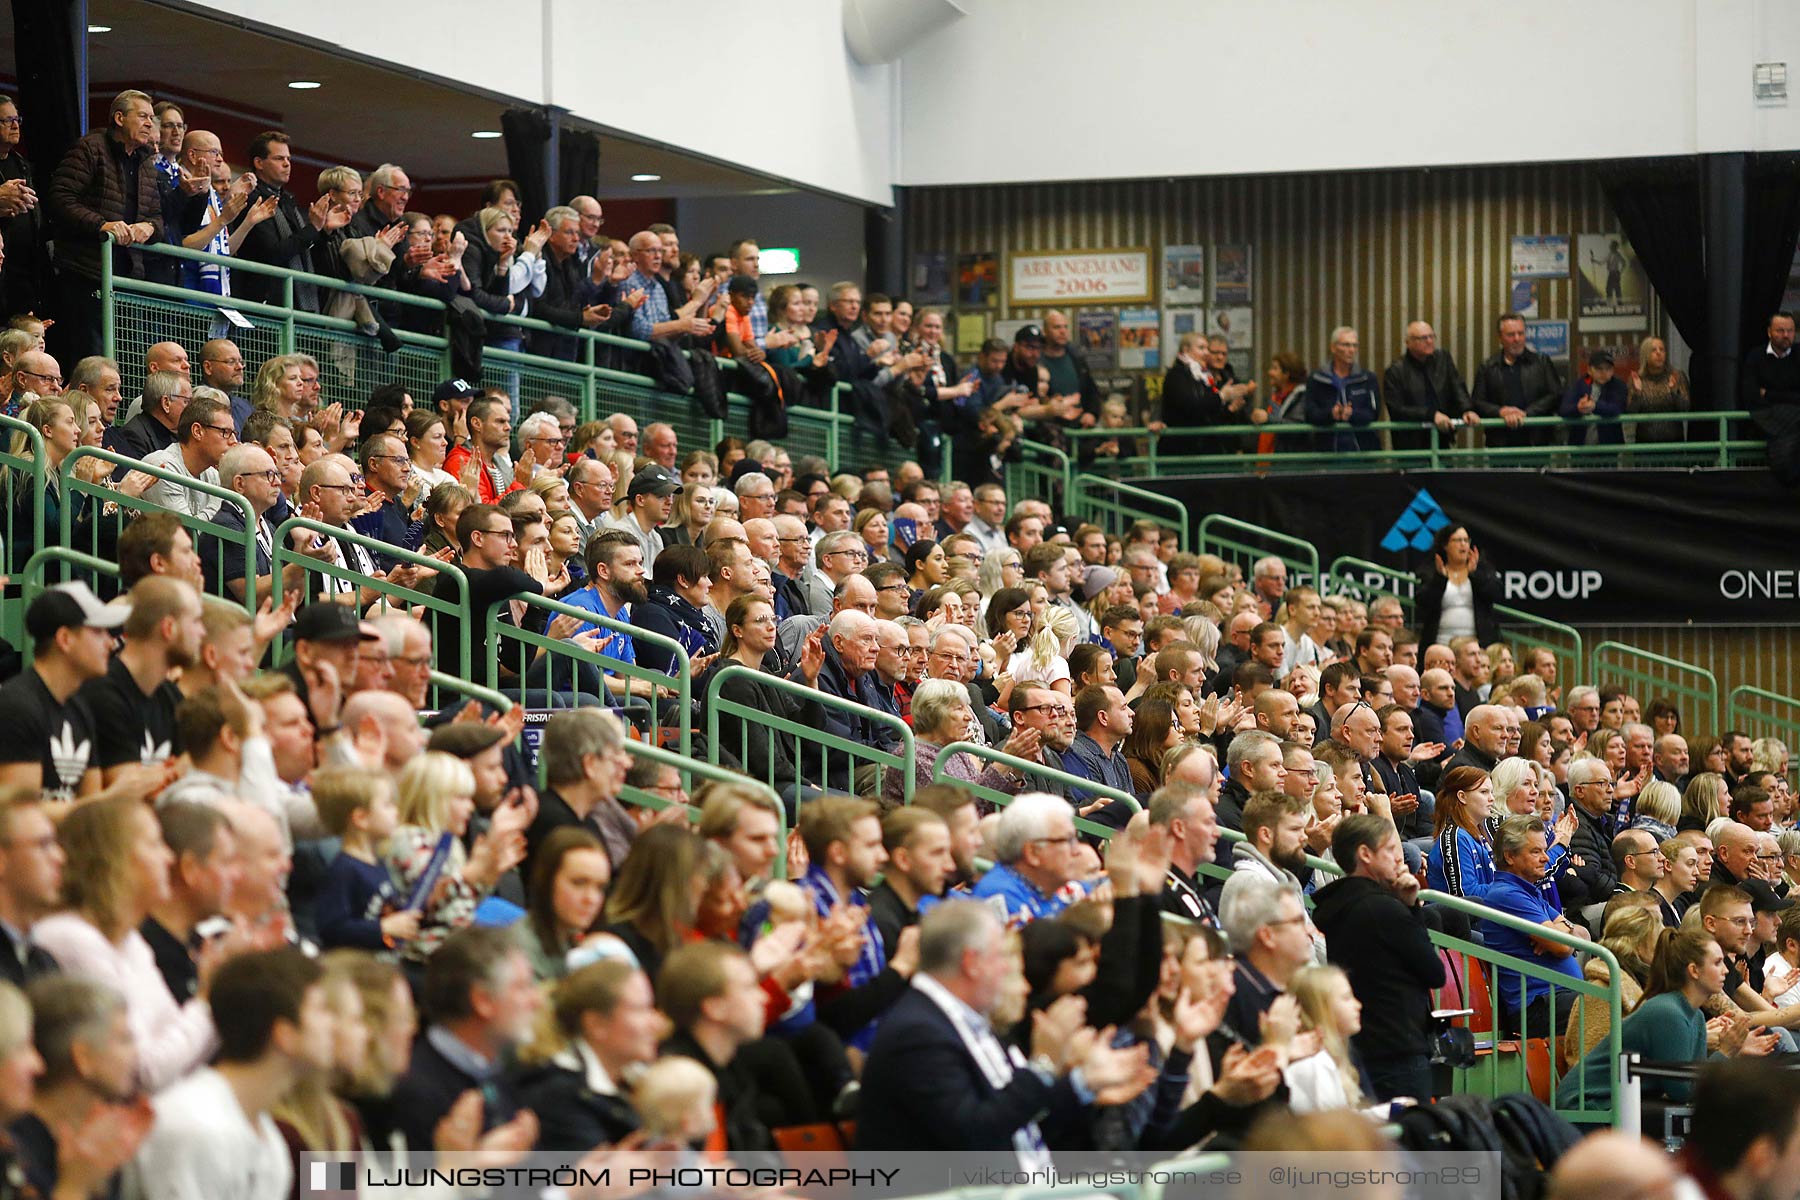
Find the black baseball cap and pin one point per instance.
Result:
(741, 285)
(1029, 333)
(72, 606)
(1763, 898)
(328, 621)
(452, 389)
(1600, 358)
(654, 480)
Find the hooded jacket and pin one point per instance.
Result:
(1385, 949)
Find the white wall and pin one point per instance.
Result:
(1048, 90)
(708, 66)
(827, 232)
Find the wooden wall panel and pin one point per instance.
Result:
(1373, 249)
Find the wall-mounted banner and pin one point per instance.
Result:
(1582, 547)
(1540, 257)
(1080, 277)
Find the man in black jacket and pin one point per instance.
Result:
(1424, 385)
(1515, 383)
(1770, 388)
(1588, 875)
(481, 1002)
(1378, 932)
(415, 268)
(711, 993)
(287, 238)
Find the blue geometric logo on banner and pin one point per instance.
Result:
(1417, 526)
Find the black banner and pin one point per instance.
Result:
(1582, 547)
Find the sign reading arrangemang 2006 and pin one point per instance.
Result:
(1079, 277)
(1579, 547)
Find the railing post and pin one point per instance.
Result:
(590, 383)
(107, 334)
(831, 431)
(1724, 441)
(287, 320)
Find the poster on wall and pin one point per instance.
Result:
(978, 279)
(1540, 257)
(1096, 332)
(1233, 324)
(1184, 275)
(1624, 353)
(930, 279)
(1524, 298)
(1613, 293)
(1790, 298)
(1232, 274)
(971, 330)
(1177, 323)
(1548, 338)
(1140, 339)
(1008, 329)
(1080, 277)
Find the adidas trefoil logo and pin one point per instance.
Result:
(71, 757)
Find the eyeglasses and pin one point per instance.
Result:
(1042, 708)
(389, 458)
(228, 432)
(794, 540)
(1068, 839)
(894, 587)
(554, 441)
(336, 487)
(12, 120)
(413, 660)
(271, 476)
(503, 534)
(858, 555)
(56, 379)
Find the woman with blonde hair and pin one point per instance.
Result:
(115, 871)
(1657, 387)
(1769, 754)
(1516, 788)
(437, 799)
(1630, 930)
(699, 468)
(595, 439)
(1658, 809)
(1044, 658)
(1702, 802)
(552, 489)
(1328, 1079)
(689, 514)
(279, 387)
(1001, 568)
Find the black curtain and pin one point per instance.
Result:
(578, 164)
(1658, 206)
(527, 135)
(1771, 230)
(49, 37)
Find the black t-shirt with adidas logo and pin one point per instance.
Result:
(129, 726)
(60, 736)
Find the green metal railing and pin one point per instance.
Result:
(1368, 581)
(1764, 714)
(1232, 448)
(1042, 473)
(422, 602)
(1038, 778)
(815, 766)
(1501, 1070)
(1243, 543)
(528, 644)
(22, 512)
(470, 691)
(692, 770)
(1616, 664)
(32, 575)
(1114, 505)
(111, 510)
(137, 313)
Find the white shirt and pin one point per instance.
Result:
(1776, 966)
(173, 496)
(172, 1038)
(204, 1147)
(1457, 618)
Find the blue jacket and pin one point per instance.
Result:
(1085, 760)
(1513, 896)
(1324, 390)
(1460, 864)
(1609, 403)
(1021, 897)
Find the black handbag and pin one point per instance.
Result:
(1453, 1045)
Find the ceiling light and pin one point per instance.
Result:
(645, 178)
(485, 134)
(304, 85)
(99, 28)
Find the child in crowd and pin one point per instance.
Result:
(357, 905)
(674, 1097)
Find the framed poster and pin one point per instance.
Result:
(977, 279)
(1233, 324)
(1524, 298)
(1184, 275)
(1548, 338)
(1540, 257)
(1096, 332)
(1612, 291)
(1177, 323)
(970, 330)
(1233, 274)
(929, 282)
(1054, 277)
(1008, 329)
(1140, 339)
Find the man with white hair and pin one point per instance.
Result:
(1036, 871)
(755, 493)
(1583, 707)
(661, 444)
(1484, 739)
(938, 1078)
(1593, 880)
(839, 556)
(851, 647)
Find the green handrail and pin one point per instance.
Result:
(1609, 991)
(1525, 629)
(718, 705)
(1343, 578)
(1301, 557)
(103, 494)
(33, 574)
(498, 631)
(1742, 713)
(1087, 503)
(1036, 774)
(692, 769)
(1604, 669)
(1055, 471)
(473, 691)
(29, 467)
(406, 598)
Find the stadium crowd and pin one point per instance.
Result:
(259, 910)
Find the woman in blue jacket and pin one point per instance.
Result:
(1462, 858)
(1599, 393)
